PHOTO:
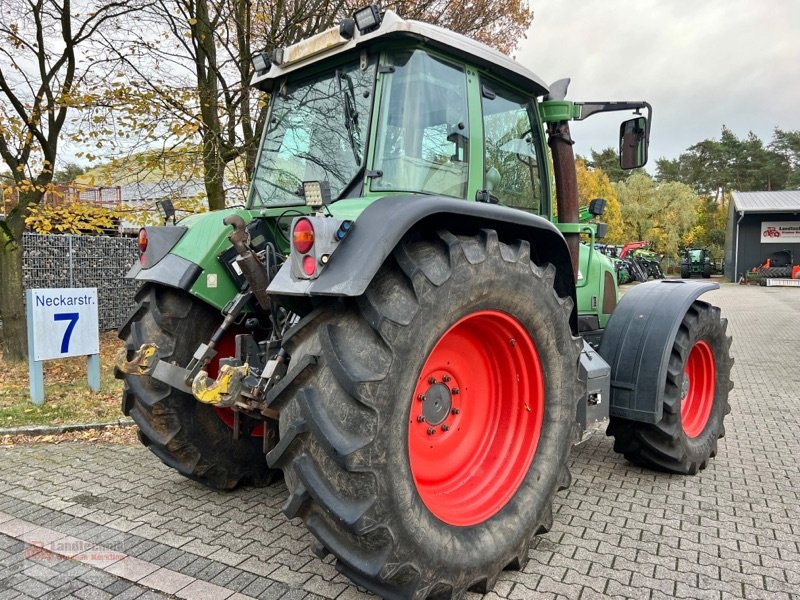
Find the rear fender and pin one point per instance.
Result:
(382, 224)
(638, 342)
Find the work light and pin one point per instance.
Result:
(260, 62)
(316, 193)
(368, 18)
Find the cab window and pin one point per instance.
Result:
(513, 158)
(423, 128)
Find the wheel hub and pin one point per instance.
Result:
(475, 417)
(697, 389)
(437, 404)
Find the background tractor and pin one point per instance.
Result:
(398, 322)
(696, 261)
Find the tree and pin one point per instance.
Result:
(594, 183)
(787, 144)
(714, 167)
(709, 229)
(660, 212)
(44, 74)
(608, 161)
(69, 172)
(498, 24)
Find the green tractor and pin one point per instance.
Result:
(696, 261)
(398, 322)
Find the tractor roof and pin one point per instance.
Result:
(395, 28)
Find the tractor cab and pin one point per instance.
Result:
(403, 108)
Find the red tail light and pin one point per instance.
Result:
(142, 242)
(303, 236)
(309, 265)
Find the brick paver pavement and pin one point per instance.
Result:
(620, 531)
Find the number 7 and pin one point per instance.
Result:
(72, 318)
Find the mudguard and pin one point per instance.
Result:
(638, 341)
(384, 222)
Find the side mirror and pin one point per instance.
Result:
(167, 210)
(633, 141)
(602, 230)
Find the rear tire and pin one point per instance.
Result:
(185, 434)
(706, 271)
(776, 272)
(351, 441)
(695, 400)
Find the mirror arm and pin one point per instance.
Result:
(587, 109)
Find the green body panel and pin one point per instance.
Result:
(206, 237)
(592, 266)
(553, 111)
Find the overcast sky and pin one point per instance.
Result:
(701, 64)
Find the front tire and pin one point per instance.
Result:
(444, 313)
(185, 434)
(695, 400)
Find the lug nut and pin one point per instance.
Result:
(431, 431)
(421, 397)
(455, 411)
(431, 380)
(421, 419)
(446, 378)
(455, 391)
(445, 427)
(513, 342)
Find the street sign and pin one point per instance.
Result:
(62, 322)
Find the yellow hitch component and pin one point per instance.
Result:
(142, 363)
(222, 391)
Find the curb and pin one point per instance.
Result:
(36, 430)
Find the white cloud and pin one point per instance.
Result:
(700, 64)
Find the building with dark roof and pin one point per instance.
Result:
(759, 224)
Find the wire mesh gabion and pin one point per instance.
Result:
(62, 261)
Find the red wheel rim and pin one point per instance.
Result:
(699, 380)
(225, 349)
(481, 394)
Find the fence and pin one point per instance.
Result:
(84, 261)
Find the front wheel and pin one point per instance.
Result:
(695, 400)
(424, 441)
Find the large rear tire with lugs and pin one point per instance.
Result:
(193, 438)
(695, 400)
(427, 424)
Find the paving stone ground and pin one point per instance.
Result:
(139, 530)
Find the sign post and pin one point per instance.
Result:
(62, 322)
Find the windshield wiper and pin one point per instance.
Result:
(350, 113)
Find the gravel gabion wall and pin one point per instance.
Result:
(95, 261)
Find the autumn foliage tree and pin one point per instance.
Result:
(662, 212)
(594, 183)
(45, 71)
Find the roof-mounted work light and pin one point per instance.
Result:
(261, 62)
(368, 18)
